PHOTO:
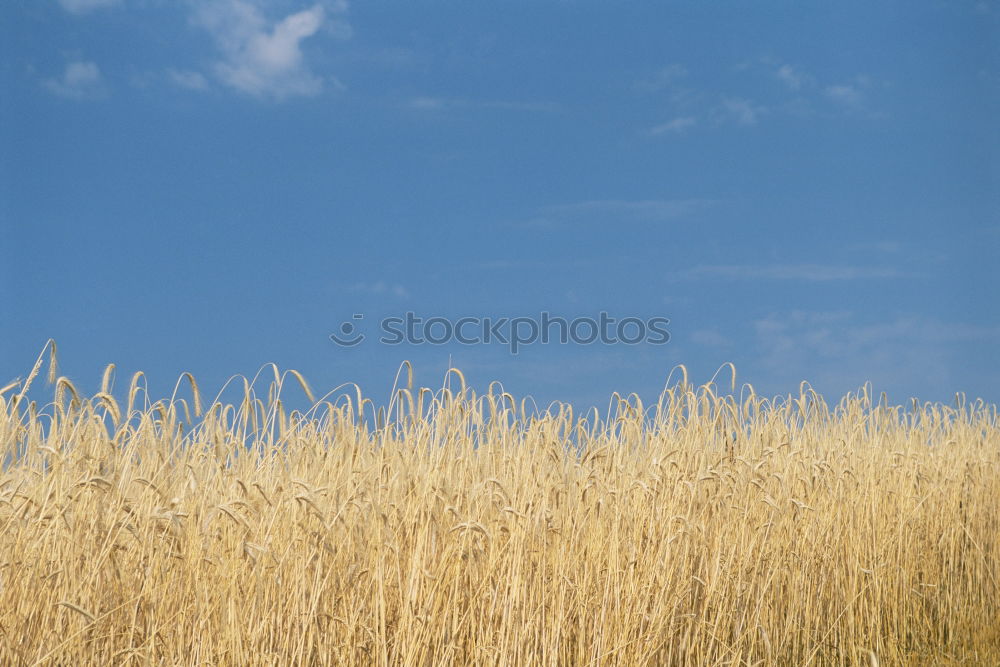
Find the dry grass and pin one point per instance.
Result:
(466, 529)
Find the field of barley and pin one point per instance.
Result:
(449, 527)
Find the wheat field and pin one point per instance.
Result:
(449, 528)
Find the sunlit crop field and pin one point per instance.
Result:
(449, 527)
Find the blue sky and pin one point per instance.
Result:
(808, 190)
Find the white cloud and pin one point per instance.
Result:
(885, 247)
(84, 6)
(616, 210)
(665, 78)
(263, 58)
(792, 77)
(521, 264)
(800, 94)
(429, 103)
(740, 110)
(426, 103)
(806, 88)
(802, 272)
(676, 126)
(81, 80)
(188, 79)
(837, 353)
(845, 94)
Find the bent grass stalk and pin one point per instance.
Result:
(711, 528)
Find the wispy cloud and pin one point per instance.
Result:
(84, 6)
(800, 92)
(837, 353)
(678, 125)
(188, 79)
(801, 272)
(845, 94)
(848, 95)
(618, 210)
(690, 107)
(264, 58)
(793, 77)
(666, 77)
(425, 103)
(80, 80)
(429, 103)
(885, 246)
(740, 110)
(547, 264)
